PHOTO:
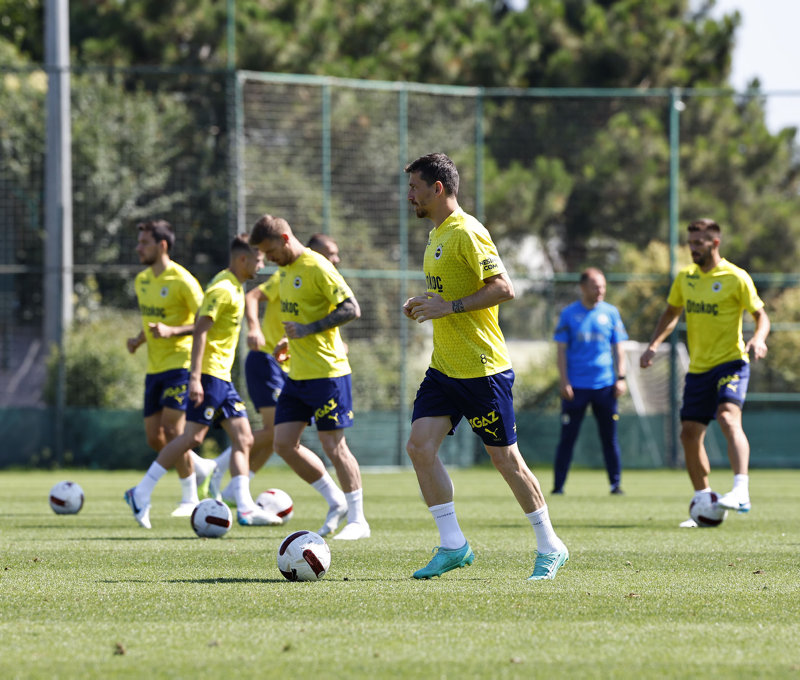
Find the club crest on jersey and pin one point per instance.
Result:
(297, 282)
(716, 286)
(438, 253)
(208, 414)
(603, 319)
(164, 291)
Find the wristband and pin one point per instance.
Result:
(620, 377)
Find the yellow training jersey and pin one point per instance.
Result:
(714, 302)
(310, 289)
(271, 325)
(460, 254)
(224, 303)
(171, 298)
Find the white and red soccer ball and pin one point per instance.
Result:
(66, 498)
(211, 518)
(705, 511)
(278, 502)
(304, 556)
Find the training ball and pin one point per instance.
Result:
(211, 518)
(66, 498)
(705, 511)
(304, 556)
(278, 502)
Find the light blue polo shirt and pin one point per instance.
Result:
(589, 335)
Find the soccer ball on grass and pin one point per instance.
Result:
(705, 511)
(211, 518)
(304, 556)
(66, 498)
(278, 502)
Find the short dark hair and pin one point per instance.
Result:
(267, 227)
(160, 230)
(436, 167)
(319, 241)
(241, 244)
(705, 224)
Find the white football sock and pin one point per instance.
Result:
(189, 489)
(252, 475)
(144, 488)
(741, 483)
(329, 491)
(450, 536)
(240, 490)
(203, 466)
(223, 460)
(355, 506)
(700, 492)
(546, 539)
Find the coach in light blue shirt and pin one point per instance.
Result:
(591, 364)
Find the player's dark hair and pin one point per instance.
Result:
(318, 241)
(436, 167)
(160, 230)
(268, 226)
(241, 244)
(705, 224)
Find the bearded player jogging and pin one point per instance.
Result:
(470, 373)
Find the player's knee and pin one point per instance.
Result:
(420, 453)
(156, 441)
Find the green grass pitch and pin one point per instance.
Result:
(94, 596)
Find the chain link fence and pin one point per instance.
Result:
(562, 178)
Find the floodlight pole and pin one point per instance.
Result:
(58, 197)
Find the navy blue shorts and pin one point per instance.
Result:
(704, 392)
(328, 401)
(486, 403)
(166, 390)
(265, 378)
(220, 402)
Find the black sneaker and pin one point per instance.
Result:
(557, 492)
(617, 491)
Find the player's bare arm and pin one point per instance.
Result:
(666, 324)
(347, 310)
(758, 343)
(255, 337)
(161, 330)
(135, 342)
(200, 335)
(495, 290)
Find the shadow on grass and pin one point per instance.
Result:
(225, 580)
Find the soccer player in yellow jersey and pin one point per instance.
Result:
(470, 373)
(168, 297)
(264, 373)
(212, 395)
(714, 294)
(314, 302)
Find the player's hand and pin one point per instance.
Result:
(160, 330)
(281, 351)
(647, 358)
(759, 348)
(411, 304)
(133, 344)
(295, 330)
(196, 394)
(430, 306)
(567, 393)
(255, 339)
(620, 388)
